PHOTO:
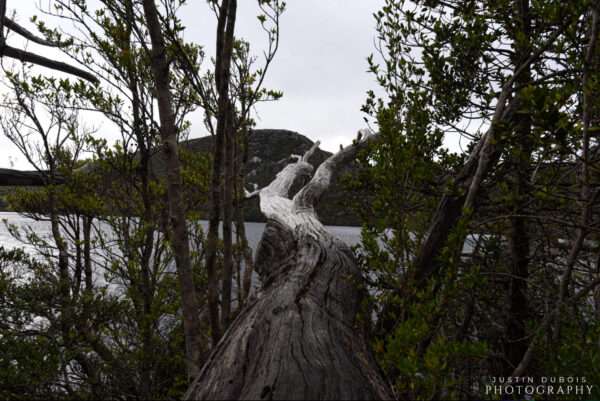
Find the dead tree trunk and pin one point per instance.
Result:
(301, 338)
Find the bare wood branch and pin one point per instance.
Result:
(29, 57)
(483, 152)
(468, 180)
(15, 27)
(274, 199)
(305, 200)
(2, 18)
(284, 180)
(586, 198)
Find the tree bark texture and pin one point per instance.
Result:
(302, 338)
(178, 224)
(240, 159)
(224, 52)
(519, 244)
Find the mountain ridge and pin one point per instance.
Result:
(269, 151)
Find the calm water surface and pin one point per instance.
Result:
(351, 235)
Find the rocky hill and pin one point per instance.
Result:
(269, 150)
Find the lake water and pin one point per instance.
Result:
(350, 235)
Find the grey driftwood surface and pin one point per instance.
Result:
(302, 337)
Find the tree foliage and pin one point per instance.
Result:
(507, 231)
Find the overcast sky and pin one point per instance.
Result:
(320, 67)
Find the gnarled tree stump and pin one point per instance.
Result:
(301, 338)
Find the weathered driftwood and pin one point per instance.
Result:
(302, 337)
